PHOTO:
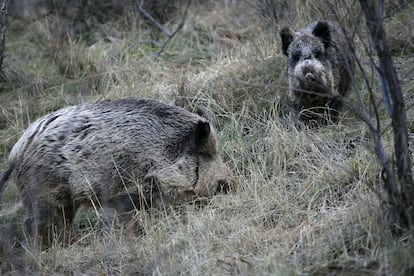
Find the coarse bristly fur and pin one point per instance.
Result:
(320, 68)
(122, 154)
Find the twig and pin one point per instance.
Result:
(166, 32)
(384, 89)
(403, 201)
(394, 103)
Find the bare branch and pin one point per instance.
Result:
(152, 19)
(404, 202)
(384, 89)
(401, 6)
(393, 101)
(166, 32)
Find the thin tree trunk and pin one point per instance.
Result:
(398, 115)
(3, 22)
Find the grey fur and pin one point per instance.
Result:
(320, 68)
(120, 154)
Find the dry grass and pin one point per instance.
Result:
(306, 201)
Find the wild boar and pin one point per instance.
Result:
(320, 68)
(121, 154)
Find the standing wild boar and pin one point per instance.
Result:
(121, 154)
(320, 68)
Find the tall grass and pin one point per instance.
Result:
(305, 201)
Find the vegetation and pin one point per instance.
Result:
(304, 201)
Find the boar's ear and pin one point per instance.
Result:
(323, 32)
(286, 36)
(201, 135)
(203, 112)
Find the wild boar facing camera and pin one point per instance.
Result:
(320, 68)
(121, 154)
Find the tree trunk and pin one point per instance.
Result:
(3, 22)
(398, 114)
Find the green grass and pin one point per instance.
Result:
(304, 201)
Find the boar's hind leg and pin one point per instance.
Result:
(49, 216)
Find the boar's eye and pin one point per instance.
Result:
(295, 56)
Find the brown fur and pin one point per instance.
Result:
(121, 154)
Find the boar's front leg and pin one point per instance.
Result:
(49, 216)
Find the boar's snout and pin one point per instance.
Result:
(218, 179)
(310, 77)
(308, 72)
